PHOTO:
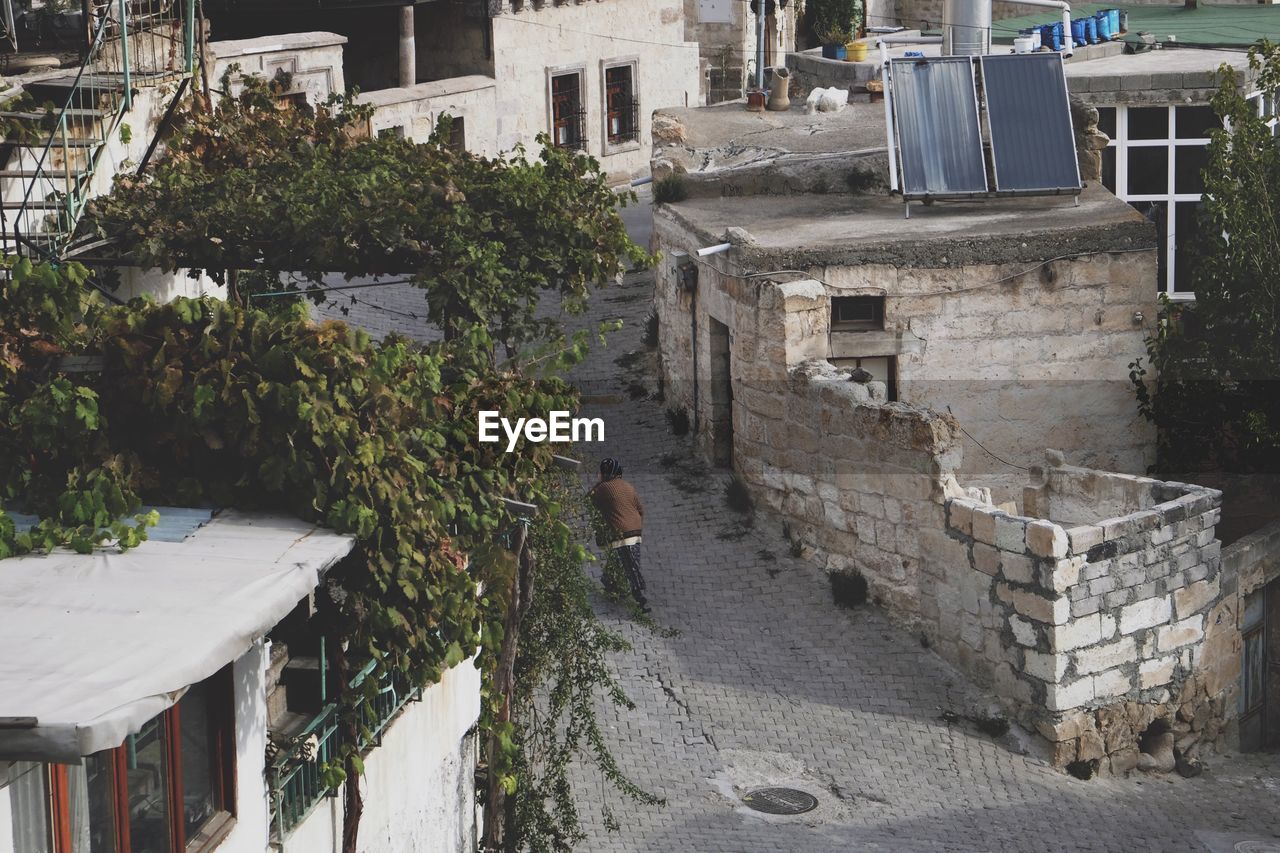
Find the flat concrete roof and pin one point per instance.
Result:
(1202, 26)
(742, 134)
(797, 232)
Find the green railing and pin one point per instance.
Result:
(135, 43)
(298, 780)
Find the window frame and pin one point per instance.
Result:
(873, 325)
(630, 140)
(579, 119)
(1122, 145)
(222, 750)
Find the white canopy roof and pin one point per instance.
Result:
(94, 645)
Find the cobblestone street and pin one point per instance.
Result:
(768, 682)
(763, 680)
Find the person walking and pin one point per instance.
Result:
(623, 516)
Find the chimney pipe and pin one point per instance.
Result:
(966, 29)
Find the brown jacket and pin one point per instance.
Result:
(620, 505)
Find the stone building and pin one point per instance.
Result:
(889, 386)
(727, 35)
(587, 74)
(1151, 88)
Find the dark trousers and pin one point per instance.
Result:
(629, 558)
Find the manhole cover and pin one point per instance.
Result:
(781, 801)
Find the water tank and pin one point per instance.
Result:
(966, 28)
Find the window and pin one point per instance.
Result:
(621, 106)
(857, 313)
(568, 117)
(168, 789)
(457, 134)
(1155, 161)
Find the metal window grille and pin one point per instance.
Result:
(568, 115)
(622, 108)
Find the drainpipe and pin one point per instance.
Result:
(408, 51)
(1067, 45)
(760, 10)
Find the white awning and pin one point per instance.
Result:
(94, 645)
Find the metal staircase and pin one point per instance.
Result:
(65, 154)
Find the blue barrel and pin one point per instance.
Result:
(1077, 31)
(1114, 14)
(1091, 30)
(1104, 24)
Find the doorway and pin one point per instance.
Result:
(1260, 694)
(720, 416)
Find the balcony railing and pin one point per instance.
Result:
(300, 777)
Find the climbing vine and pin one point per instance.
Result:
(305, 192)
(248, 404)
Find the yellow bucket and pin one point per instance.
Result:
(855, 51)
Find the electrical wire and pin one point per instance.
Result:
(984, 447)
(334, 288)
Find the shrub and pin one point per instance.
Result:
(669, 189)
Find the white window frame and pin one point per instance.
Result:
(1122, 145)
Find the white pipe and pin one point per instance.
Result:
(912, 39)
(714, 250)
(888, 115)
(1067, 45)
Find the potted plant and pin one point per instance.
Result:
(834, 37)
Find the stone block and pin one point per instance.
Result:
(984, 525)
(1196, 597)
(1063, 574)
(1085, 606)
(986, 559)
(1118, 598)
(1145, 614)
(1080, 632)
(1155, 673)
(1069, 727)
(1046, 539)
(1063, 697)
(1084, 537)
(1113, 682)
(1090, 746)
(1053, 611)
(1106, 656)
(1024, 632)
(1189, 630)
(1017, 568)
(1124, 761)
(1011, 534)
(1046, 667)
(1102, 585)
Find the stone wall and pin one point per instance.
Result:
(314, 60)
(1095, 627)
(530, 43)
(725, 32)
(414, 110)
(1025, 355)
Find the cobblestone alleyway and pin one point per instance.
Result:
(767, 682)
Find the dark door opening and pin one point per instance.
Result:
(1260, 699)
(721, 414)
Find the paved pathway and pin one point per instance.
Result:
(769, 683)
